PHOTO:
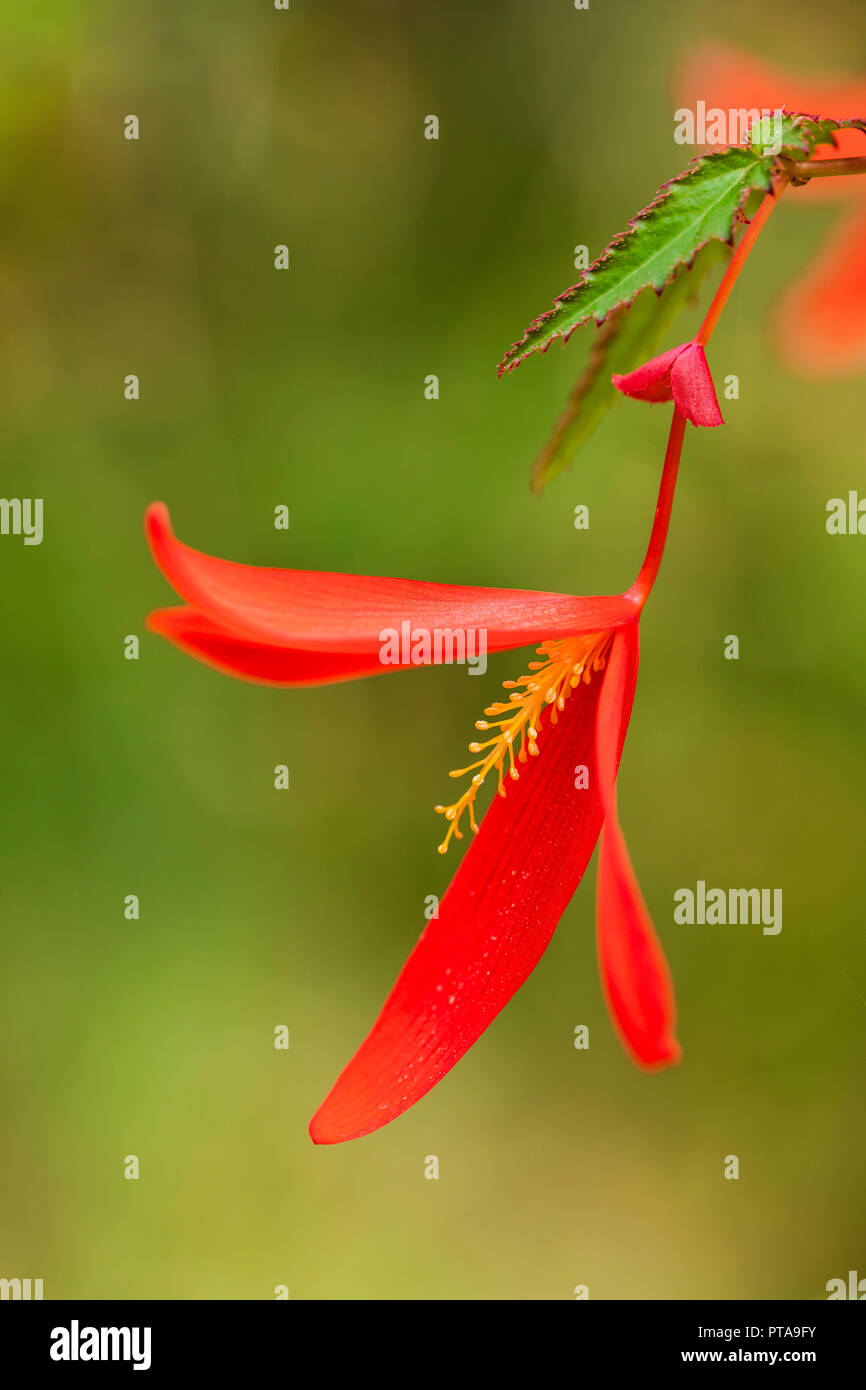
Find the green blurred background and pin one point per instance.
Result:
(154, 777)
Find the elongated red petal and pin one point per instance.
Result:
(634, 972)
(821, 322)
(320, 611)
(494, 923)
(216, 646)
(652, 380)
(693, 390)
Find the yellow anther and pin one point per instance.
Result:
(567, 662)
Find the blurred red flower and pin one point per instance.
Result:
(820, 322)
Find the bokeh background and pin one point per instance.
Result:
(154, 777)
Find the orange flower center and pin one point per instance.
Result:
(567, 662)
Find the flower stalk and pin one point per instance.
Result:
(738, 260)
(640, 589)
(803, 171)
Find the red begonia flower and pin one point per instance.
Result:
(820, 323)
(555, 750)
(681, 375)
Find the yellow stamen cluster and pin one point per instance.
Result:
(566, 662)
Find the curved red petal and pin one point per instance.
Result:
(320, 611)
(652, 380)
(821, 321)
(197, 636)
(693, 390)
(494, 924)
(634, 972)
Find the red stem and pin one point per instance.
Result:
(803, 170)
(640, 589)
(737, 261)
(642, 586)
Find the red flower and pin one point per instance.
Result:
(680, 375)
(820, 323)
(570, 712)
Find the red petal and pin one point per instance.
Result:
(821, 324)
(494, 923)
(347, 613)
(693, 390)
(652, 380)
(634, 972)
(197, 636)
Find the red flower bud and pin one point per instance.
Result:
(680, 375)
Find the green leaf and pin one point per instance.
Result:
(631, 334)
(698, 206)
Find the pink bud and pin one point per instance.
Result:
(681, 375)
(693, 390)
